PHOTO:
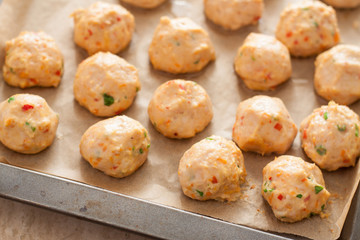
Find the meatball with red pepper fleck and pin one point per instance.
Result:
(27, 123)
(263, 125)
(103, 27)
(212, 169)
(330, 136)
(308, 28)
(33, 59)
(294, 189)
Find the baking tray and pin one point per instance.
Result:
(134, 214)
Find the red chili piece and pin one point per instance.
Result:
(27, 107)
(90, 32)
(280, 197)
(304, 134)
(288, 34)
(181, 87)
(58, 73)
(118, 19)
(270, 178)
(278, 126)
(214, 180)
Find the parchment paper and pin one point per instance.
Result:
(157, 179)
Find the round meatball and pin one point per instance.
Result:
(33, 59)
(103, 27)
(233, 14)
(330, 136)
(308, 28)
(295, 189)
(117, 146)
(263, 125)
(180, 46)
(106, 84)
(27, 123)
(145, 3)
(343, 3)
(262, 62)
(212, 169)
(180, 109)
(337, 74)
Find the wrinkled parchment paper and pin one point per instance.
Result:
(157, 179)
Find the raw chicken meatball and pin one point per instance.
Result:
(180, 109)
(212, 169)
(106, 84)
(337, 74)
(233, 14)
(295, 189)
(145, 3)
(330, 136)
(103, 27)
(263, 62)
(180, 46)
(263, 125)
(33, 59)
(308, 28)
(27, 123)
(117, 146)
(343, 3)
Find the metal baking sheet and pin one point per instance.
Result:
(131, 213)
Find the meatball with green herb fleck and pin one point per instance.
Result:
(117, 146)
(106, 84)
(330, 136)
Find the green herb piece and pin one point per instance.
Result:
(145, 135)
(305, 9)
(137, 89)
(312, 214)
(316, 24)
(299, 196)
(148, 146)
(209, 138)
(275, 118)
(356, 130)
(11, 99)
(200, 193)
(326, 115)
(141, 151)
(283, 217)
(12, 70)
(133, 149)
(197, 61)
(322, 207)
(341, 128)
(318, 189)
(108, 100)
(27, 123)
(33, 129)
(268, 190)
(320, 150)
(125, 97)
(253, 58)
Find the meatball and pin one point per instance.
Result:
(337, 74)
(263, 62)
(106, 84)
(330, 136)
(343, 3)
(295, 189)
(263, 125)
(117, 146)
(103, 27)
(212, 169)
(308, 28)
(33, 59)
(233, 14)
(145, 3)
(27, 123)
(180, 109)
(180, 46)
